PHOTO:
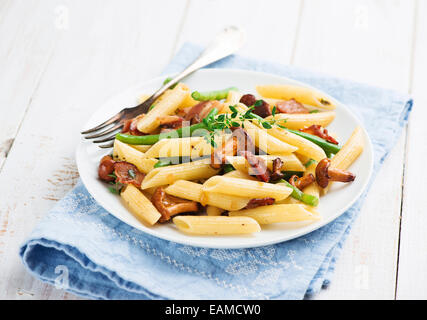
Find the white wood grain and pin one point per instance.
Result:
(369, 41)
(412, 277)
(21, 33)
(270, 25)
(107, 46)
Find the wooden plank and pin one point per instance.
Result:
(107, 46)
(26, 46)
(368, 41)
(270, 27)
(412, 276)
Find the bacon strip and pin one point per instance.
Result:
(319, 131)
(291, 106)
(258, 202)
(258, 165)
(127, 173)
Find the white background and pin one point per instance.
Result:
(60, 59)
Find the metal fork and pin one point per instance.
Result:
(225, 43)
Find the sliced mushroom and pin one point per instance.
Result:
(258, 166)
(324, 174)
(319, 131)
(276, 172)
(106, 168)
(130, 126)
(258, 202)
(170, 206)
(302, 182)
(127, 173)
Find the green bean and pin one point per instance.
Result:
(212, 95)
(167, 80)
(301, 196)
(228, 168)
(153, 138)
(163, 163)
(328, 147)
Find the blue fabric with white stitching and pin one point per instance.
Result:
(80, 247)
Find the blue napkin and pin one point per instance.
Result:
(82, 248)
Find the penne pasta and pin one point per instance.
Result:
(141, 147)
(210, 225)
(140, 205)
(302, 120)
(175, 147)
(279, 213)
(301, 94)
(167, 105)
(185, 189)
(267, 142)
(125, 152)
(349, 152)
(200, 169)
(213, 211)
(193, 191)
(305, 147)
(245, 188)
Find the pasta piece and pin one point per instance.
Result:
(279, 213)
(185, 189)
(200, 169)
(193, 191)
(141, 147)
(125, 152)
(305, 147)
(245, 188)
(224, 201)
(267, 142)
(290, 162)
(349, 152)
(301, 94)
(188, 101)
(139, 205)
(167, 105)
(174, 147)
(213, 211)
(239, 174)
(206, 225)
(312, 189)
(301, 120)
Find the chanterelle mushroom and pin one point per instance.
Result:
(324, 174)
(169, 206)
(302, 182)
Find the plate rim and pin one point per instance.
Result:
(298, 233)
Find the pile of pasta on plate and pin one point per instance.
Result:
(226, 162)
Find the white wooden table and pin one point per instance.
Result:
(60, 58)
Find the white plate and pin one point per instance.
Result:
(336, 202)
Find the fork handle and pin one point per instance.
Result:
(228, 41)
